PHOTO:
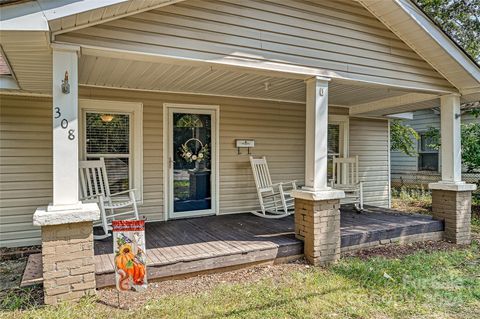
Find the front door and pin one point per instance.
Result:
(191, 161)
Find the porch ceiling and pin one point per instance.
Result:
(197, 79)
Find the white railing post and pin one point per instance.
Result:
(65, 127)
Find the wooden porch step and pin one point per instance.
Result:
(211, 264)
(104, 278)
(33, 273)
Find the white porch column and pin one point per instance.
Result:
(317, 206)
(451, 139)
(451, 197)
(65, 128)
(316, 148)
(67, 229)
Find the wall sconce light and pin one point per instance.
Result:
(106, 118)
(65, 84)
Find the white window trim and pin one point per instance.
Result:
(419, 151)
(135, 109)
(344, 122)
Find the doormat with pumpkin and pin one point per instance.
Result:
(130, 254)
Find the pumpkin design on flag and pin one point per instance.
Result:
(130, 257)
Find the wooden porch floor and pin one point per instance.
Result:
(184, 247)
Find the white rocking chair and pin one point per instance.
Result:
(345, 177)
(94, 187)
(275, 199)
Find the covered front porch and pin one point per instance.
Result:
(187, 247)
(285, 80)
(293, 133)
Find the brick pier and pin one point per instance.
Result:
(455, 209)
(68, 261)
(317, 223)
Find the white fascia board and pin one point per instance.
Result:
(26, 16)
(35, 15)
(64, 8)
(441, 38)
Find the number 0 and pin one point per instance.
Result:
(64, 123)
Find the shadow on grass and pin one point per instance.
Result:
(269, 305)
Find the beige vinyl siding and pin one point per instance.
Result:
(25, 166)
(277, 128)
(369, 140)
(340, 37)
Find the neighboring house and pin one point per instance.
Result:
(134, 81)
(425, 167)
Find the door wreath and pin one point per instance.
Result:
(190, 156)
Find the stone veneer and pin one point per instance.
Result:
(68, 261)
(317, 223)
(455, 209)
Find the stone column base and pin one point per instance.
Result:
(453, 205)
(67, 253)
(317, 223)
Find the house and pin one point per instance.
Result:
(119, 79)
(424, 167)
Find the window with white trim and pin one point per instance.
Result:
(113, 130)
(337, 139)
(427, 154)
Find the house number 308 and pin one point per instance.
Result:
(64, 124)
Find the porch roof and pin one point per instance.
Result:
(30, 55)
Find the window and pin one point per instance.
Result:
(333, 146)
(108, 135)
(112, 130)
(427, 156)
(337, 139)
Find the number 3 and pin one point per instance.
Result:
(71, 135)
(57, 112)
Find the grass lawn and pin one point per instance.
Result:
(440, 284)
(436, 281)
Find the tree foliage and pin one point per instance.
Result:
(403, 138)
(460, 19)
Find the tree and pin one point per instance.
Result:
(459, 18)
(403, 138)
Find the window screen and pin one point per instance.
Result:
(427, 155)
(333, 146)
(108, 136)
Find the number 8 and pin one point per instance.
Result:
(71, 136)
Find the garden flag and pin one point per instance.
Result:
(130, 254)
